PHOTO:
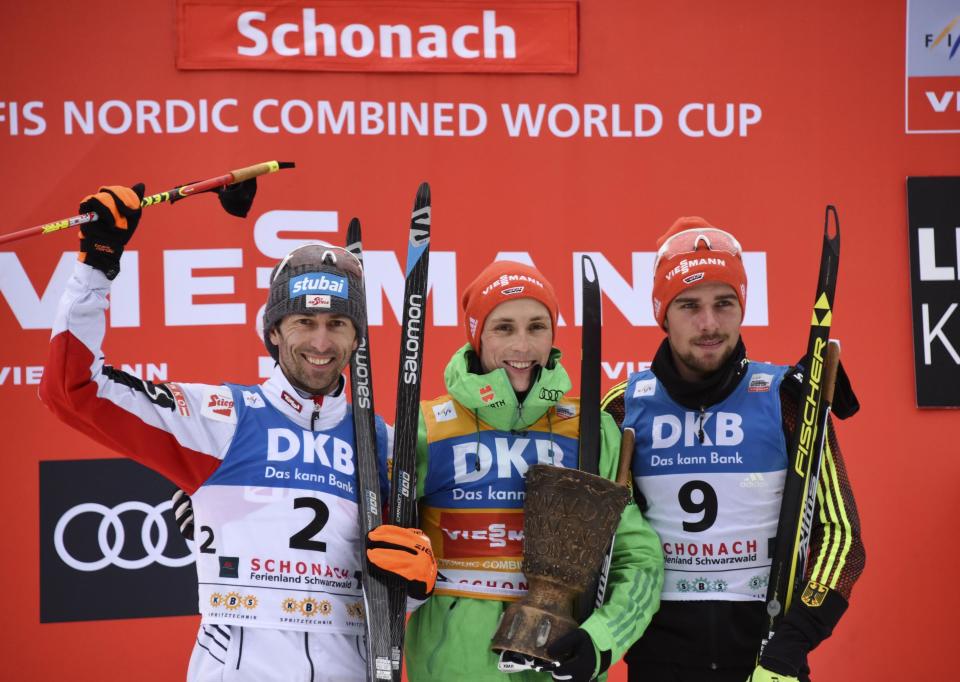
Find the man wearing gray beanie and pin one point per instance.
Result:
(271, 468)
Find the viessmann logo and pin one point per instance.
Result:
(482, 534)
(432, 35)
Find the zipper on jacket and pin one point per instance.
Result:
(317, 402)
(443, 635)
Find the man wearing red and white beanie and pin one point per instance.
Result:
(506, 408)
(709, 464)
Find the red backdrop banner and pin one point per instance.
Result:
(752, 114)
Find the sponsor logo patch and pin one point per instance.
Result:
(644, 387)
(695, 277)
(180, 399)
(487, 393)
(317, 301)
(506, 280)
(229, 566)
(291, 401)
(754, 480)
(760, 383)
(814, 594)
(482, 534)
(233, 601)
(445, 412)
(566, 410)
(686, 266)
(512, 290)
(218, 405)
(473, 326)
(319, 283)
(253, 399)
(309, 606)
(355, 610)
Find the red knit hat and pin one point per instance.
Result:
(499, 282)
(691, 252)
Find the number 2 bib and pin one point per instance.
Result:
(277, 535)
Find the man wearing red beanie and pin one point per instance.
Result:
(709, 466)
(506, 409)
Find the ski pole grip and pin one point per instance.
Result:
(257, 169)
(830, 367)
(626, 456)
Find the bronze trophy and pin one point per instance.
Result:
(569, 519)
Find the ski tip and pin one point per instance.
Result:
(831, 228)
(353, 239)
(286, 164)
(588, 269)
(423, 194)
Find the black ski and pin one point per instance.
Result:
(803, 462)
(590, 410)
(375, 596)
(403, 486)
(590, 369)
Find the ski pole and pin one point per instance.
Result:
(172, 195)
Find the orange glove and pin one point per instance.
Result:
(118, 213)
(405, 552)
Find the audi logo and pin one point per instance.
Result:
(154, 552)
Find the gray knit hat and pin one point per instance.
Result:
(314, 278)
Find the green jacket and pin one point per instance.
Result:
(449, 637)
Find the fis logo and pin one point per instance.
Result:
(253, 399)
(319, 283)
(948, 38)
(445, 412)
(644, 387)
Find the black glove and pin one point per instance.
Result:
(118, 213)
(808, 621)
(183, 513)
(577, 657)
